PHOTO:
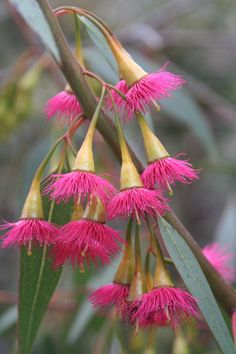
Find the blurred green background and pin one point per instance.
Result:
(198, 38)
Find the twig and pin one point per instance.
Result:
(74, 75)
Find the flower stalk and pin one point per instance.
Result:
(84, 160)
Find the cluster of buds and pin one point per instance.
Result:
(142, 297)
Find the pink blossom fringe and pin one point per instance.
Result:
(164, 306)
(79, 184)
(154, 86)
(136, 202)
(85, 241)
(63, 105)
(167, 171)
(221, 258)
(110, 295)
(25, 230)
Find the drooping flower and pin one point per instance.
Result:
(87, 240)
(133, 199)
(64, 105)
(84, 241)
(221, 259)
(163, 306)
(115, 294)
(140, 88)
(31, 228)
(165, 172)
(79, 184)
(141, 94)
(162, 170)
(136, 202)
(109, 295)
(28, 230)
(82, 181)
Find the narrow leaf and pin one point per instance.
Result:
(100, 42)
(197, 284)
(34, 17)
(38, 281)
(185, 109)
(37, 284)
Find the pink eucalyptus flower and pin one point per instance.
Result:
(220, 259)
(136, 202)
(85, 241)
(28, 230)
(63, 105)
(154, 86)
(167, 171)
(79, 184)
(164, 306)
(109, 295)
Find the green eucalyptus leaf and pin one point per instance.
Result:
(38, 281)
(100, 65)
(100, 42)
(186, 110)
(197, 284)
(35, 18)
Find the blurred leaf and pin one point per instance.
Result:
(100, 65)
(86, 311)
(16, 99)
(225, 232)
(34, 17)
(116, 345)
(46, 344)
(100, 42)
(84, 315)
(185, 109)
(197, 284)
(37, 282)
(8, 319)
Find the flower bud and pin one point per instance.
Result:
(33, 207)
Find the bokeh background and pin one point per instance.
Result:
(198, 38)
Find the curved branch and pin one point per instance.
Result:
(73, 73)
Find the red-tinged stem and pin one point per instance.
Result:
(74, 75)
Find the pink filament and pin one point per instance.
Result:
(63, 105)
(79, 184)
(167, 171)
(25, 230)
(110, 295)
(136, 202)
(85, 241)
(164, 306)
